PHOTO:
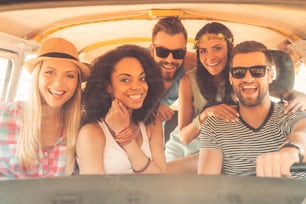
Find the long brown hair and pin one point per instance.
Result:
(204, 79)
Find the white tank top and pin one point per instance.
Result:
(115, 158)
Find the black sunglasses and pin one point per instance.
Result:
(257, 71)
(164, 52)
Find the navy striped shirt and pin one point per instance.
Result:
(240, 144)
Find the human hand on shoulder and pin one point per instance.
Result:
(296, 102)
(295, 105)
(164, 112)
(222, 111)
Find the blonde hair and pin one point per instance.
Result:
(29, 142)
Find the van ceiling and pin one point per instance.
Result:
(93, 25)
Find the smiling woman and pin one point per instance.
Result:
(124, 91)
(45, 148)
(98, 26)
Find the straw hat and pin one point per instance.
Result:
(58, 48)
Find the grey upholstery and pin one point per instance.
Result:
(153, 189)
(284, 73)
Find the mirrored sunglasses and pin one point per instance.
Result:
(257, 71)
(164, 52)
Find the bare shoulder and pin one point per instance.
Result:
(90, 147)
(91, 131)
(185, 85)
(185, 79)
(154, 128)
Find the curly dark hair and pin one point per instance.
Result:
(96, 100)
(204, 79)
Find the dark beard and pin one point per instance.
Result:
(169, 77)
(258, 101)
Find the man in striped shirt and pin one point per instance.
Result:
(264, 138)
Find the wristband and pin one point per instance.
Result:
(143, 168)
(125, 136)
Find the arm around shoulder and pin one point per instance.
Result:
(187, 130)
(296, 101)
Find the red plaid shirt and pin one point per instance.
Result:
(49, 163)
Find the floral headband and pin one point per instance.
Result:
(220, 36)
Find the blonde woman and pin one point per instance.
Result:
(38, 136)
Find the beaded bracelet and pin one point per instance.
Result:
(125, 136)
(143, 168)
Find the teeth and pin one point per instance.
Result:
(249, 87)
(211, 65)
(168, 66)
(57, 92)
(135, 96)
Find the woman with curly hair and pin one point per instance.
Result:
(120, 134)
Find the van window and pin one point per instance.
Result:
(23, 86)
(5, 73)
(300, 79)
(24, 82)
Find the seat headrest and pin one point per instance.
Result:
(284, 80)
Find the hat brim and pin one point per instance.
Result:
(85, 71)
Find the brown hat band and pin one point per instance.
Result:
(58, 55)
